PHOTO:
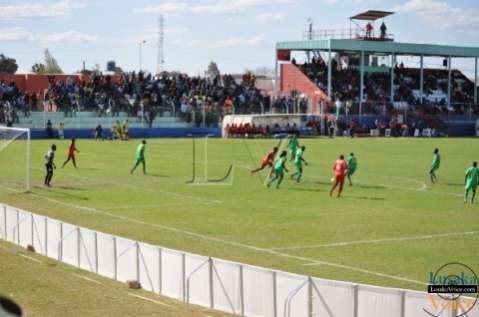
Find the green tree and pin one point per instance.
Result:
(7, 65)
(50, 65)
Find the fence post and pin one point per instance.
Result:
(183, 275)
(160, 288)
(96, 252)
(18, 227)
(356, 298)
(310, 297)
(5, 222)
(60, 247)
(403, 303)
(241, 289)
(32, 228)
(275, 308)
(210, 276)
(78, 245)
(137, 261)
(115, 260)
(46, 236)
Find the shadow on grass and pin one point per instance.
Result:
(308, 190)
(57, 193)
(157, 175)
(367, 198)
(370, 186)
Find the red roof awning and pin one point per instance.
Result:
(371, 15)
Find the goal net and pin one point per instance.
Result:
(15, 164)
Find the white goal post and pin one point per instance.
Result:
(7, 136)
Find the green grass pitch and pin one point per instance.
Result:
(391, 228)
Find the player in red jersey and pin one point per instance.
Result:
(340, 168)
(267, 161)
(71, 154)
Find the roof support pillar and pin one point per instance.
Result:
(449, 71)
(361, 87)
(393, 63)
(421, 79)
(276, 74)
(329, 74)
(475, 80)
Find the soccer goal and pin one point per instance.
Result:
(206, 180)
(15, 158)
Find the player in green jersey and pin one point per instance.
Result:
(352, 166)
(436, 163)
(471, 181)
(140, 157)
(293, 144)
(279, 167)
(298, 163)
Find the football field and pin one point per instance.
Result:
(391, 228)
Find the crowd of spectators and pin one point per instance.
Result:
(377, 87)
(251, 130)
(195, 99)
(13, 101)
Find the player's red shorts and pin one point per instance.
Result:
(266, 163)
(340, 178)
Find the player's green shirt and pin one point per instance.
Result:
(279, 164)
(352, 163)
(293, 143)
(436, 161)
(472, 177)
(298, 158)
(140, 152)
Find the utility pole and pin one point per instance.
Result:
(140, 45)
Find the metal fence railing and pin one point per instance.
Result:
(217, 284)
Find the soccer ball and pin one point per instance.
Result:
(332, 180)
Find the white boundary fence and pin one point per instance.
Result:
(222, 285)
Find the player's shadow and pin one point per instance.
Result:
(370, 186)
(64, 194)
(454, 184)
(308, 190)
(157, 175)
(367, 198)
(70, 188)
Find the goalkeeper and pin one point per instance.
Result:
(471, 182)
(140, 157)
(50, 164)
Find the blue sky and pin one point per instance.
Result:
(237, 34)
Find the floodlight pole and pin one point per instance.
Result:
(140, 46)
(421, 79)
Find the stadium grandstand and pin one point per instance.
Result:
(356, 74)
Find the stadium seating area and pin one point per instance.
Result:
(142, 98)
(345, 85)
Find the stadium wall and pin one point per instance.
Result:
(214, 283)
(133, 133)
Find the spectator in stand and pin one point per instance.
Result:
(383, 30)
(369, 29)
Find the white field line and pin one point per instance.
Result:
(150, 300)
(96, 180)
(399, 239)
(143, 206)
(87, 279)
(228, 242)
(29, 258)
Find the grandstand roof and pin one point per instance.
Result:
(371, 15)
(411, 49)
